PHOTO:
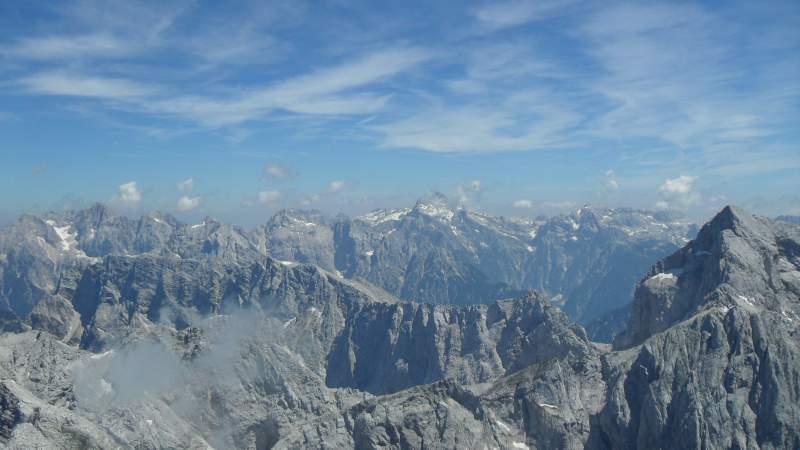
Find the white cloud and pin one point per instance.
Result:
(277, 171)
(186, 203)
(505, 14)
(678, 193)
(657, 90)
(330, 91)
(525, 120)
(336, 186)
(267, 197)
(523, 204)
(611, 180)
(129, 193)
(336, 90)
(81, 85)
(68, 47)
(678, 186)
(469, 192)
(186, 185)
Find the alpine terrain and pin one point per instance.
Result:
(150, 333)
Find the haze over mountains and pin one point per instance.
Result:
(190, 335)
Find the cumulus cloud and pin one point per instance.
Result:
(187, 203)
(186, 185)
(277, 171)
(523, 204)
(681, 185)
(336, 186)
(678, 193)
(611, 181)
(129, 193)
(267, 197)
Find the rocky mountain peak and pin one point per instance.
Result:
(733, 218)
(434, 205)
(737, 259)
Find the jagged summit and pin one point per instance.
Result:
(434, 198)
(735, 219)
(435, 205)
(737, 259)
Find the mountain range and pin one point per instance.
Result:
(312, 332)
(586, 262)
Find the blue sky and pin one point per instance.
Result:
(237, 109)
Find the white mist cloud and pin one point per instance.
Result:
(186, 185)
(611, 181)
(267, 197)
(469, 192)
(336, 186)
(523, 204)
(277, 171)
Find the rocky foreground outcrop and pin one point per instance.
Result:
(261, 353)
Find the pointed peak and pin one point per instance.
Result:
(435, 205)
(732, 218)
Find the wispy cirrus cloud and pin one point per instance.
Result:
(68, 47)
(524, 120)
(511, 13)
(659, 90)
(339, 89)
(82, 85)
(342, 89)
